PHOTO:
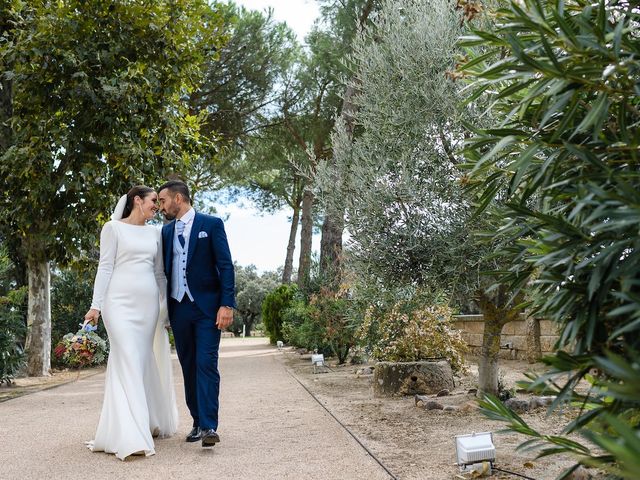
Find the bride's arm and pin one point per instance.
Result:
(108, 247)
(161, 280)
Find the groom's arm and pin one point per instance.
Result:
(224, 264)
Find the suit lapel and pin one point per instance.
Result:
(168, 248)
(193, 237)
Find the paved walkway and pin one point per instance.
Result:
(269, 425)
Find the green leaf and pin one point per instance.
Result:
(498, 147)
(596, 115)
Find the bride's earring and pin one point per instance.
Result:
(141, 210)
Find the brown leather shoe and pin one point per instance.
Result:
(209, 437)
(194, 435)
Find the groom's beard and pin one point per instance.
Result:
(168, 216)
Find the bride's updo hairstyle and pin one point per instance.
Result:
(137, 191)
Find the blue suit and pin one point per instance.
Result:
(211, 280)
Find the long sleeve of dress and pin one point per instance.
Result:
(108, 248)
(161, 280)
(158, 269)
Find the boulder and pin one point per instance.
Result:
(538, 402)
(469, 407)
(433, 405)
(580, 473)
(364, 371)
(517, 405)
(411, 378)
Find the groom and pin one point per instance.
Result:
(201, 293)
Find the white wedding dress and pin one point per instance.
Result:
(130, 290)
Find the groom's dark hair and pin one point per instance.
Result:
(176, 186)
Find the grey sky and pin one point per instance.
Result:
(298, 14)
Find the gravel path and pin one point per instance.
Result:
(269, 425)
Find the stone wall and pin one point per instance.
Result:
(516, 341)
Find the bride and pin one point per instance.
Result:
(130, 293)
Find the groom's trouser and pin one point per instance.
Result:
(197, 340)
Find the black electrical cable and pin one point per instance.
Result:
(365, 447)
(344, 426)
(513, 473)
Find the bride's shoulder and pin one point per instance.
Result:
(157, 229)
(109, 230)
(112, 224)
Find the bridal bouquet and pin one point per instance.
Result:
(81, 349)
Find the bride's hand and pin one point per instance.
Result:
(91, 317)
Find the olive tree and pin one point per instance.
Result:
(411, 225)
(252, 288)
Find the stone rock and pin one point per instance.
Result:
(450, 408)
(301, 351)
(546, 401)
(420, 400)
(472, 391)
(364, 371)
(538, 402)
(469, 407)
(580, 473)
(433, 405)
(517, 405)
(442, 393)
(410, 378)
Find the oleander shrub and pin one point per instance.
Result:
(298, 328)
(561, 80)
(273, 308)
(329, 311)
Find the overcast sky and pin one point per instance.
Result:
(255, 239)
(298, 14)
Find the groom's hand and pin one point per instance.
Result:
(224, 317)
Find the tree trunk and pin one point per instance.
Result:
(291, 246)
(333, 225)
(249, 321)
(488, 363)
(331, 250)
(496, 315)
(534, 348)
(306, 237)
(38, 344)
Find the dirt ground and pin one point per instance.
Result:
(25, 385)
(414, 443)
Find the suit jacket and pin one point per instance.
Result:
(210, 273)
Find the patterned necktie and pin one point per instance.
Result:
(180, 229)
